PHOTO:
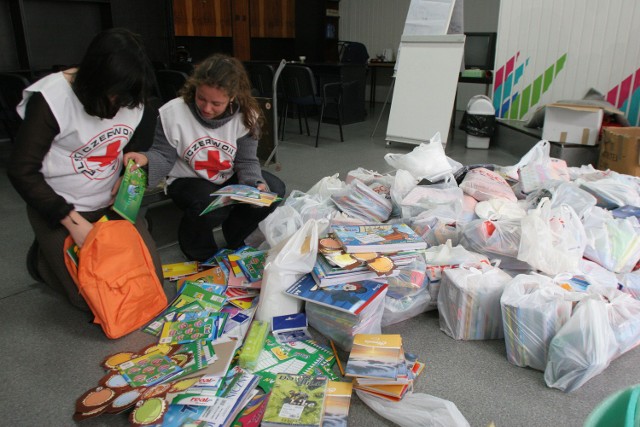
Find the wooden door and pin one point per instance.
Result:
(241, 30)
(273, 18)
(207, 18)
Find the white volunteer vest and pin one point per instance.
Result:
(202, 152)
(85, 158)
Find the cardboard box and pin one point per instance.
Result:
(572, 124)
(575, 155)
(620, 150)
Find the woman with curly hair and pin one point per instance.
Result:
(205, 139)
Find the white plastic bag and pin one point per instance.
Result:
(553, 240)
(439, 258)
(399, 310)
(361, 202)
(311, 206)
(445, 198)
(327, 186)
(286, 264)
(469, 302)
(427, 160)
(493, 237)
(416, 410)
(614, 243)
(534, 309)
(280, 225)
(402, 185)
(583, 347)
(483, 184)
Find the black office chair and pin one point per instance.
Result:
(261, 76)
(11, 87)
(299, 88)
(169, 83)
(353, 53)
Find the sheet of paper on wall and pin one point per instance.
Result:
(428, 17)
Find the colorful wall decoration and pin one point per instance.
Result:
(549, 51)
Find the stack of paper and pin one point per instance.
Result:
(339, 324)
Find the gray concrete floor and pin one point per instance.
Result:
(51, 352)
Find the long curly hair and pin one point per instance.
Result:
(228, 74)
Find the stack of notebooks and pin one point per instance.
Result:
(339, 312)
(380, 366)
(307, 401)
(469, 303)
(362, 252)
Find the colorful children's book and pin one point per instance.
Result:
(189, 331)
(298, 357)
(350, 297)
(179, 269)
(148, 370)
(381, 238)
(296, 400)
(211, 275)
(336, 405)
(237, 193)
(131, 192)
(375, 356)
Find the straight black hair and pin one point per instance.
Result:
(115, 72)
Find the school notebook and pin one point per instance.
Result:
(382, 238)
(350, 297)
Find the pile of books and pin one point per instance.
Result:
(380, 366)
(238, 193)
(339, 312)
(363, 252)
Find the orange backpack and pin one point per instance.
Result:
(116, 276)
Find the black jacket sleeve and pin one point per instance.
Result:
(32, 144)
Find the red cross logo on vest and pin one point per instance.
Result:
(213, 164)
(108, 157)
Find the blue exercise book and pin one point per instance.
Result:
(383, 238)
(349, 297)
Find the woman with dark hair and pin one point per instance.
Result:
(67, 159)
(206, 139)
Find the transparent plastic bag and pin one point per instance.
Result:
(469, 302)
(416, 409)
(327, 186)
(484, 184)
(553, 240)
(285, 264)
(614, 243)
(583, 347)
(399, 310)
(427, 160)
(341, 327)
(533, 311)
(280, 225)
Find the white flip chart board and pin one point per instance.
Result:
(425, 87)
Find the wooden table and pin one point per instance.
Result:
(373, 67)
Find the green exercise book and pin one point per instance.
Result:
(296, 400)
(131, 192)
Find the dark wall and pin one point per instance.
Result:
(152, 20)
(41, 35)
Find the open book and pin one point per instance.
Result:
(238, 193)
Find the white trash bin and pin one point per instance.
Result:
(479, 107)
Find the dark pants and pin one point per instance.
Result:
(50, 263)
(195, 235)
